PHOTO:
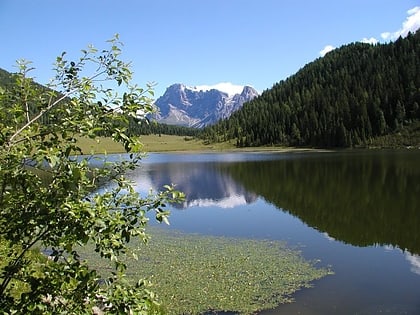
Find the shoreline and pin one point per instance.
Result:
(248, 150)
(178, 144)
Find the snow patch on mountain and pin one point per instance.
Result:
(202, 105)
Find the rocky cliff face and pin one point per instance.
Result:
(195, 107)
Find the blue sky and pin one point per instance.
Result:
(199, 42)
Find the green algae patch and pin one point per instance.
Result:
(193, 274)
(196, 274)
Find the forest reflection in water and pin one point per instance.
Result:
(361, 198)
(358, 211)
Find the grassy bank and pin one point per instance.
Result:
(156, 143)
(169, 143)
(153, 143)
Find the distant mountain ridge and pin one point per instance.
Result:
(196, 107)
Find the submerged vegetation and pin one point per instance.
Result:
(193, 274)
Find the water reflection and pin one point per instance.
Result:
(414, 260)
(205, 184)
(361, 199)
(358, 198)
(358, 211)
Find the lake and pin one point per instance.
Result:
(356, 211)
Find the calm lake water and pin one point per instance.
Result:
(356, 211)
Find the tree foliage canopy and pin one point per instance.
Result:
(48, 197)
(351, 95)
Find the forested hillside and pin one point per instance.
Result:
(136, 126)
(349, 97)
(7, 79)
(145, 127)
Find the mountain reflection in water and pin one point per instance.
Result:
(360, 198)
(356, 210)
(204, 184)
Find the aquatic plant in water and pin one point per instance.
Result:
(193, 273)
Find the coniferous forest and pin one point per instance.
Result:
(147, 127)
(349, 97)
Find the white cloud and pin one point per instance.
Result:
(326, 50)
(411, 24)
(371, 40)
(385, 35)
(227, 87)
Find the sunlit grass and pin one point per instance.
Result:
(99, 145)
(156, 143)
(170, 143)
(193, 274)
(152, 143)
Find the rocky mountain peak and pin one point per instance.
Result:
(249, 92)
(199, 106)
